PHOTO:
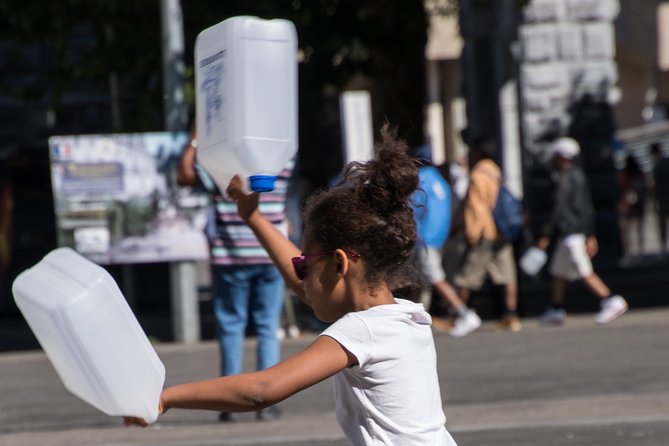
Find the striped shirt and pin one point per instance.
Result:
(231, 241)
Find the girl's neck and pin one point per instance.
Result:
(368, 297)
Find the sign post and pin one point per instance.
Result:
(356, 117)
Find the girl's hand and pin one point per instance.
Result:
(137, 421)
(247, 204)
(134, 421)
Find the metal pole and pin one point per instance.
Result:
(184, 296)
(185, 304)
(435, 114)
(173, 66)
(468, 31)
(509, 127)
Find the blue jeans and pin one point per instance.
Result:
(240, 291)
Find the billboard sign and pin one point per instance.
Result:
(116, 199)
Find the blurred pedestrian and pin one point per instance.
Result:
(488, 253)
(572, 226)
(661, 190)
(359, 244)
(433, 214)
(632, 206)
(245, 282)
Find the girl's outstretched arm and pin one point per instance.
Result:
(280, 248)
(257, 390)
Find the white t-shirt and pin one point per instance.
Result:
(392, 396)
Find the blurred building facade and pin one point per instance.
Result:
(615, 49)
(493, 71)
(590, 69)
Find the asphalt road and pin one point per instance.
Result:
(575, 385)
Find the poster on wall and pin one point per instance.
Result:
(117, 201)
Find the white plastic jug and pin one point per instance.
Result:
(533, 260)
(246, 99)
(90, 335)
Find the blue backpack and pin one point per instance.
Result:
(508, 214)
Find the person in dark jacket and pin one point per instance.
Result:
(572, 225)
(661, 190)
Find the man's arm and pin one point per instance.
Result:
(186, 174)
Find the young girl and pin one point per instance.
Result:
(358, 242)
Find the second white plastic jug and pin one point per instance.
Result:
(246, 99)
(90, 335)
(533, 260)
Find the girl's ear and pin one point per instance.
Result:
(342, 261)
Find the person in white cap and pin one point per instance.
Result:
(572, 225)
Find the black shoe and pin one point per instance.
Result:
(225, 417)
(269, 414)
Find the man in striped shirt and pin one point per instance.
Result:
(245, 281)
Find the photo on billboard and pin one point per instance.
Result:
(117, 201)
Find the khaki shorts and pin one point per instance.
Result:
(489, 257)
(571, 260)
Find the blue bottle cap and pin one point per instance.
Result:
(262, 183)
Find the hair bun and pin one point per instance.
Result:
(387, 181)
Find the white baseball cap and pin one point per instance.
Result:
(566, 148)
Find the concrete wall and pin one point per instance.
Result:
(567, 50)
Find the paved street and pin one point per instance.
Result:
(574, 385)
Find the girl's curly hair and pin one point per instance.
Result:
(371, 213)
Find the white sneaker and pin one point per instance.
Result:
(553, 316)
(293, 332)
(611, 309)
(465, 324)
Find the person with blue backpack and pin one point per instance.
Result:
(432, 212)
(489, 253)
